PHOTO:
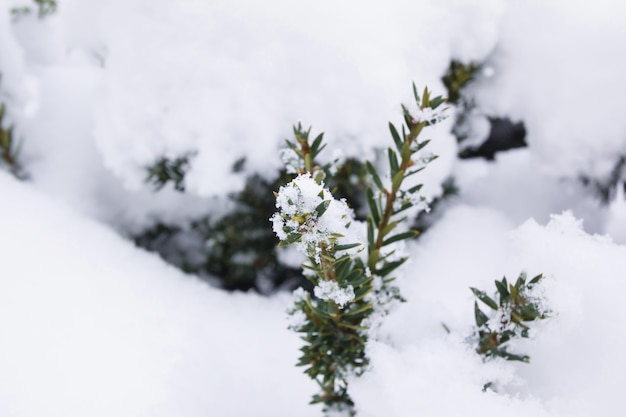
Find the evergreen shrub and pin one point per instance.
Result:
(351, 264)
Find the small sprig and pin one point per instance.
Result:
(300, 156)
(9, 147)
(516, 306)
(351, 279)
(386, 202)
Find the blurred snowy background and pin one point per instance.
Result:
(98, 92)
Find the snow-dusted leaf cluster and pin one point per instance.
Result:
(309, 216)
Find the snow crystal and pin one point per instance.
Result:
(330, 290)
(291, 160)
(297, 203)
(430, 115)
(299, 294)
(297, 319)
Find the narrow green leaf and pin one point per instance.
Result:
(422, 144)
(353, 276)
(311, 267)
(354, 327)
(292, 238)
(342, 266)
(397, 180)
(481, 318)
(339, 248)
(388, 255)
(370, 232)
(405, 205)
(401, 236)
(436, 102)
(393, 161)
(360, 293)
(392, 225)
(504, 292)
(320, 149)
(407, 117)
(425, 98)
(513, 357)
(484, 298)
(373, 259)
(521, 280)
(321, 208)
(5, 139)
(514, 293)
(416, 94)
(316, 143)
(535, 279)
(358, 283)
(517, 319)
(390, 267)
(373, 205)
(374, 174)
(395, 136)
(530, 313)
(415, 189)
(363, 309)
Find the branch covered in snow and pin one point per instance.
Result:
(352, 285)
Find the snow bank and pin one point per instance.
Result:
(226, 80)
(518, 185)
(559, 67)
(102, 90)
(93, 326)
(577, 358)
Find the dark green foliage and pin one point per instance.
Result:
(458, 75)
(349, 182)
(335, 335)
(238, 249)
(166, 170)
(512, 309)
(9, 147)
(241, 248)
(44, 8)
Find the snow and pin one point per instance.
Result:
(297, 204)
(576, 355)
(557, 67)
(330, 290)
(91, 325)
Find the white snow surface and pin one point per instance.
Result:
(576, 361)
(91, 326)
(558, 67)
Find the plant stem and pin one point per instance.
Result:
(390, 196)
